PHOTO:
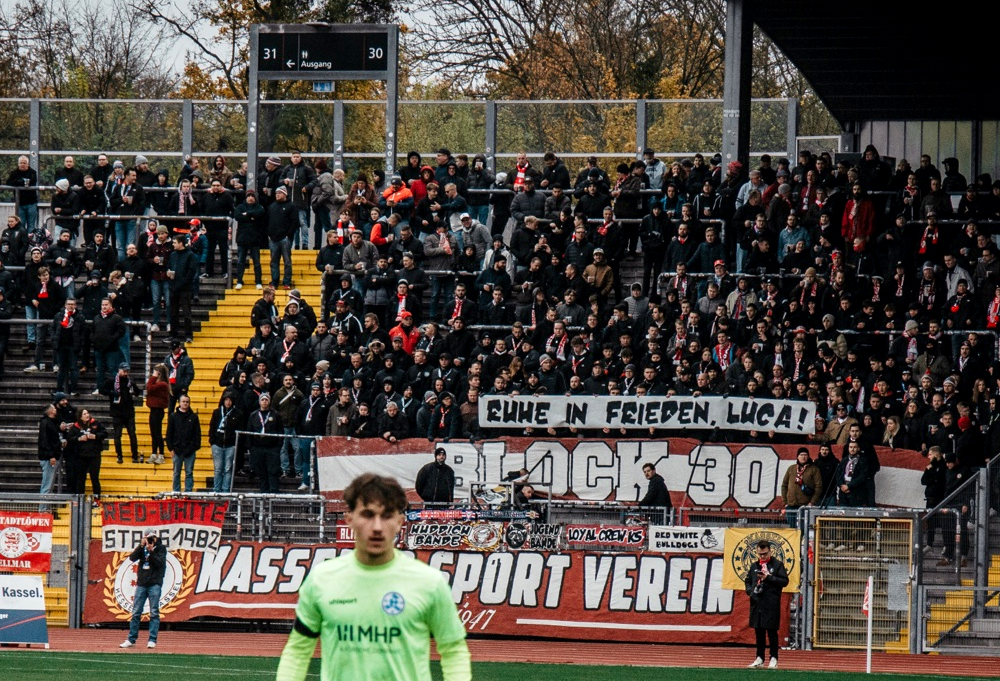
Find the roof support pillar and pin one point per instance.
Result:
(736, 89)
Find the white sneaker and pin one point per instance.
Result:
(136, 338)
(839, 547)
(303, 488)
(773, 664)
(239, 286)
(260, 287)
(152, 644)
(96, 392)
(759, 662)
(126, 644)
(154, 328)
(55, 369)
(41, 367)
(861, 548)
(31, 368)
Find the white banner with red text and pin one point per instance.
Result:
(635, 596)
(647, 411)
(696, 474)
(182, 524)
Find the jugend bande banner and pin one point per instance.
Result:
(636, 596)
(589, 411)
(182, 524)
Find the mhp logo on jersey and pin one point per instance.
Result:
(393, 603)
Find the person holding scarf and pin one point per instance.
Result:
(122, 391)
(87, 437)
(180, 372)
(764, 581)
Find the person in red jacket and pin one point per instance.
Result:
(157, 399)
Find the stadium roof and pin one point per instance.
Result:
(889, 60)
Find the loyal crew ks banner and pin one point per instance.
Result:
(589, 411)
(696, 474)
(634, 596)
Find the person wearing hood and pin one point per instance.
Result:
(66, 205)
(411, 170)
(436, 480)
(480, 177)
(500, 199)
(655, 169)
(953, 181)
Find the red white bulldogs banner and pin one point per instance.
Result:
(731, 475)
(183, 524)
(574, 594)
(25, 541)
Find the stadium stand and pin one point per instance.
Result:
(872, 291)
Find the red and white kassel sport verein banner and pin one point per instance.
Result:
(636, 596)
(733, 475)
(25, 541)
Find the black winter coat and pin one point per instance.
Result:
(436, 482)
(184, 433)
(765, 606)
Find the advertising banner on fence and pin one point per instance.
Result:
(740, 553)
(22, 610)
(25, 541)
(697, 474)
(624, 411)
(639, 596)
(183, 524)
(670, 539)
(625, 537)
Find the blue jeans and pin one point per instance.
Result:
(106, 364)
(125, 347)
(288, 445)
(160, 290)
(281, 250)
(48, 476)
(28, 215)
(480, 213)
(303, 458)
(302, 235)
(188, 462)
(31, 312)
(124, 233)
(142, 594)
(222, 458)
(244, 253)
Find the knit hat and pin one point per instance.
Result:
(274, 160)
(264, 396)
(280, 190)
(63, 184)
(140, 159)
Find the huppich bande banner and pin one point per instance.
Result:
(589, 411)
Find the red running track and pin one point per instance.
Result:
(545, 652)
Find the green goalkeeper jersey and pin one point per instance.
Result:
(375, 622)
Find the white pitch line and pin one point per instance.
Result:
(613, 625)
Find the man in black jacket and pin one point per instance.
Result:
(182, 268)
(122, 391)
(765, 580)
(151, 556)
(68, 333)
(183, 441)
(656, 494)
(50, 445)
(217, 203)
(282, 225)
(265, 448)
(436, 480)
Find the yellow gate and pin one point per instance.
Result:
(847, 551)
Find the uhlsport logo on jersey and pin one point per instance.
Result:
(393, 603)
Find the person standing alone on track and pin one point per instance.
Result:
(764, 582)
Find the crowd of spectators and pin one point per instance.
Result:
(872, 291)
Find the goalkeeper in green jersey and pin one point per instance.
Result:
(375, 610)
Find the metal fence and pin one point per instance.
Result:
(841, 548)
(353, 132)
(66, 579)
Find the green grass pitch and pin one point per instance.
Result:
(48, 665)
